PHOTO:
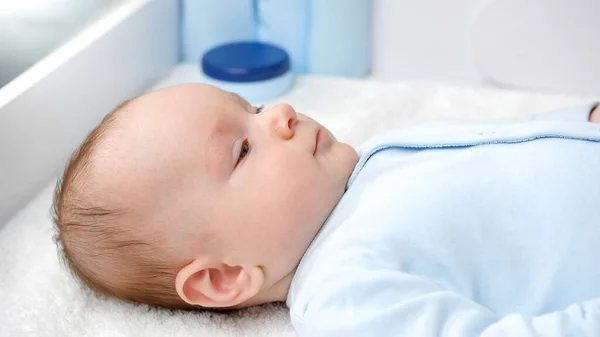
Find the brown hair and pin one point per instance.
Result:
(103, 253)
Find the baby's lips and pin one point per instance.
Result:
(317, 139)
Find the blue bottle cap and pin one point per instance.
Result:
(245, 62)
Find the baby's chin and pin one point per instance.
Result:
(345, 161)
(350, 158)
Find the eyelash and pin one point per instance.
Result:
(245, 150)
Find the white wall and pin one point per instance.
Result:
(424, 39)
(549, 45)
(542, 45)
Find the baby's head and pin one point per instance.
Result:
(189, 196)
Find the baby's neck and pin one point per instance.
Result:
(279, 291)
(276, 293)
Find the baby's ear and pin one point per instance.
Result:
(213, 284)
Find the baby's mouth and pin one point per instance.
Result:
(321, 137)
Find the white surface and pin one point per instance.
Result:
(47, 110)
(549, 45)
(424, 39)
(40, 299)
(546, 44)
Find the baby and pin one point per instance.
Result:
(189, 197)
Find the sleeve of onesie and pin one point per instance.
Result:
(573, 114)
(392, 303)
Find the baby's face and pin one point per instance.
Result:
(263, 182)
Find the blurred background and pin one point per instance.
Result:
(31, 29)
(542, 45)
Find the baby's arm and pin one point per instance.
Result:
(389, 303)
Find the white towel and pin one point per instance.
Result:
(38, 298)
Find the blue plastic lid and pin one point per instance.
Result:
(245, 62)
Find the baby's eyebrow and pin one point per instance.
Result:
(239, 98)
(215, 161)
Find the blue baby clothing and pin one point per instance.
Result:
(462, 230)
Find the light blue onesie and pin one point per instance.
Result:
(462, 230)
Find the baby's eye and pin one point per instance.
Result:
(245, 150)
(260, 109)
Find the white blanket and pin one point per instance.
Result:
(38, 298)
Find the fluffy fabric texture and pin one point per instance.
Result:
(39, 298)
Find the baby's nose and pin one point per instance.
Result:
(283, 120)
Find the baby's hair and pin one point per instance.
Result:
(97, 247)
